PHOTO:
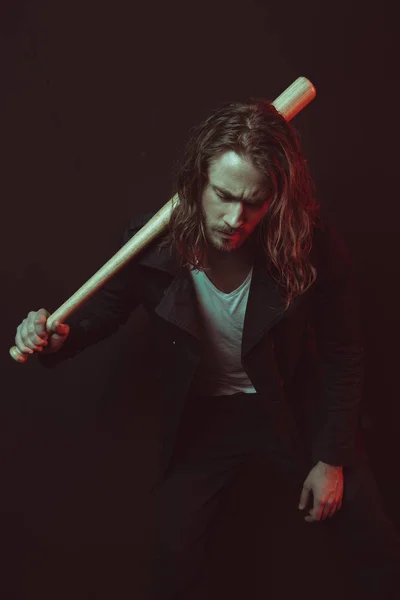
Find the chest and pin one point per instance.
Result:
(227, 280)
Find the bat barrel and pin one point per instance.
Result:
(296, 97)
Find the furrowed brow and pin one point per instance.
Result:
(229, 195)
(225, 192)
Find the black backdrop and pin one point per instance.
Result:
(96, 103)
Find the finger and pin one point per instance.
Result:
(316, 511)
(338, 504)
(304, 498)
(32, 334)
(43, 311)
(36, 325)
(310, 519)
(60, 329)
(26, 338)
(328, 511)
(40, 325)
(333, 510)
(20, 344)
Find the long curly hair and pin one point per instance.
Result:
(255, 130)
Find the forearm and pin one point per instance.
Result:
(337, 325)
(102, 314)
(99, 318)
(341, 399)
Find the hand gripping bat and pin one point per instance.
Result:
(289, 103)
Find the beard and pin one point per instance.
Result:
(237, 244)
(217, 241)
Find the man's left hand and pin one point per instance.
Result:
(326, 483)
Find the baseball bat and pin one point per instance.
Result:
(300, 93)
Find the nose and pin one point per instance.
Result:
(234, 218)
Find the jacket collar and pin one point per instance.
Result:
(265, 305)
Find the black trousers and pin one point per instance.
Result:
(217, 436)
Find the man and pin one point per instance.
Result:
(252, 296)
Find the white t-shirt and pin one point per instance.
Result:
(221, 371)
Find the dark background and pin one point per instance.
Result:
(97, 100)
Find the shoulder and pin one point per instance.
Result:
(330, 253)
(154, 253)
(135, 224)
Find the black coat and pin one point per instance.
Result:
(309, 357)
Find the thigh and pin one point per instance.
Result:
(189, 502)
(191, 497)
(214, 442)
(279, 442)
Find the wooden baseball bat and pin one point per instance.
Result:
(289, 103)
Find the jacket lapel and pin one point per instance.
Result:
(265, 305)
(178, 305)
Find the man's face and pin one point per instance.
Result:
(233, 201)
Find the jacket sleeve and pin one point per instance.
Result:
(104, 312)
(337, 325)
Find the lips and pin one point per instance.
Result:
(227, 234)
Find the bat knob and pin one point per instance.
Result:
(18, 355)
